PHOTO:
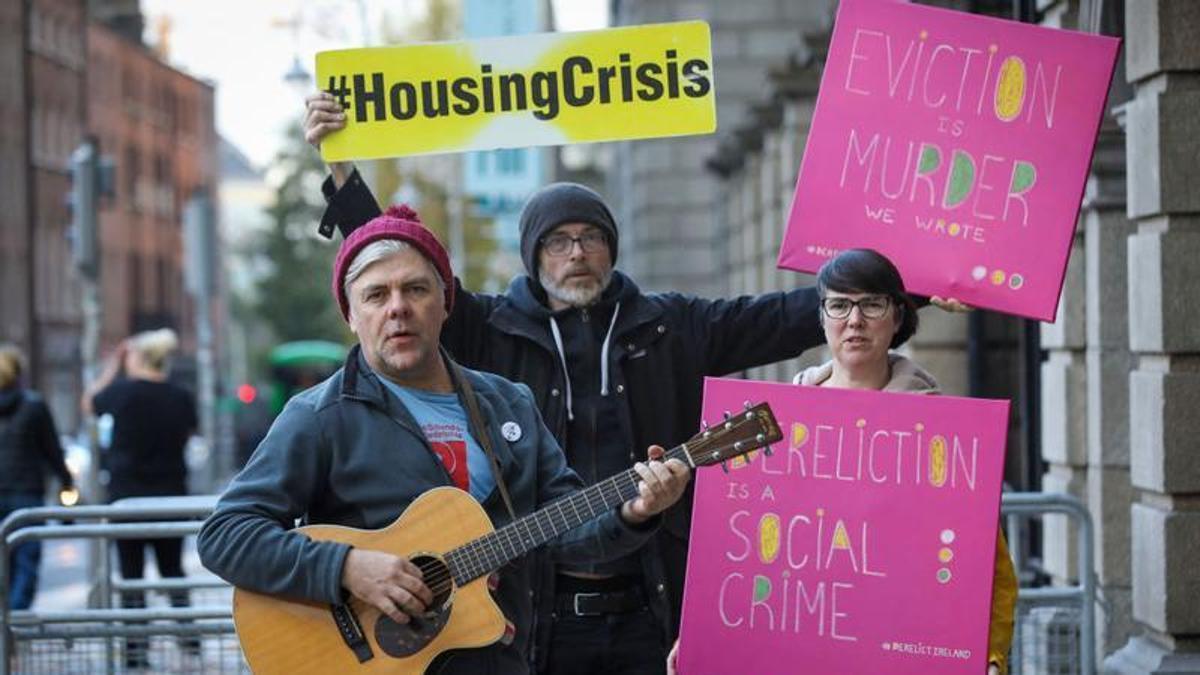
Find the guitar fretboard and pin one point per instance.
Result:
(495, 549)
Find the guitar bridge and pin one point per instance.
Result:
(351, 631)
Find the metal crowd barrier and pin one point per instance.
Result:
(103, 638)
(1055, 631)
(1055, 625)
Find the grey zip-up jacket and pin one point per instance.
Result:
(347, 452)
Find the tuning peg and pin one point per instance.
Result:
(725, 467)
(737, 446)
(747, 405)
(768, 450)
(704, 425)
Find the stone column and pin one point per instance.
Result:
(768, 214)
(1064, 411)
(1065, 414)
(751, 178)
(1109, 363)
(1163, 153)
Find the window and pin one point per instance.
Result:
(132, 177)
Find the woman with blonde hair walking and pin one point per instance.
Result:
(152, 421)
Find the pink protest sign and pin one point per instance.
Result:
(955, 144)
(864, 544)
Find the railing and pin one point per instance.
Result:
(197, 638)
(1055, 625)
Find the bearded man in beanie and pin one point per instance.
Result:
(391, 424)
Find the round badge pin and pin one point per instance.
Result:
(511, 431)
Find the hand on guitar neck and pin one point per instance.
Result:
(394, 585)
(662, 485)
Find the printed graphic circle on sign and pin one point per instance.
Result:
(799, 434)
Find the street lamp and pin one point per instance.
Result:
(298, 77)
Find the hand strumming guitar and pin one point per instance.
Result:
(391, 584)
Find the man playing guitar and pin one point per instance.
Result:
(399, 419)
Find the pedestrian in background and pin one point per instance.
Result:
(29, 448)
(152, 421)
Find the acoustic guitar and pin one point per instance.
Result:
(447, 534)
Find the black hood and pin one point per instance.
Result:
(10, 398)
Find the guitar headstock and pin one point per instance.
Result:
(754, 427)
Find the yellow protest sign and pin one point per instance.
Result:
(544, 89)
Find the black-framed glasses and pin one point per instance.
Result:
(561, 244)
(872, 306)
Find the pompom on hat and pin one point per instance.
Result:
(399, 222)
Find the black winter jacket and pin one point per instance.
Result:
(28, 444)
(663, 346)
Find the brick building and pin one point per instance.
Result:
(157, 124)
(42, 94)
(64, 76)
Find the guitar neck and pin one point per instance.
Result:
(495, 549)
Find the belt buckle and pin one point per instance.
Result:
(575, 604)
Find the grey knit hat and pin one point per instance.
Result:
(560, 203)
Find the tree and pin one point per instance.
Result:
(293, 297)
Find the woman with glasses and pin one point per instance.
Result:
(153, 419)
(866, 313)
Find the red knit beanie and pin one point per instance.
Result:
(402, 223)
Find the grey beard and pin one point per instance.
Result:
(574, 296)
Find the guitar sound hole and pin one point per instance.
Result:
(399, 639)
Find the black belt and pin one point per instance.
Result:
(599, 604)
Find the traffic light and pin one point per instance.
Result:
(199, 243)
(85, 237)
(91, 178)
(246, 393)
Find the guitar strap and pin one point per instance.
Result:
(477, 422)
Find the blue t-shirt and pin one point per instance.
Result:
(442, 418)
